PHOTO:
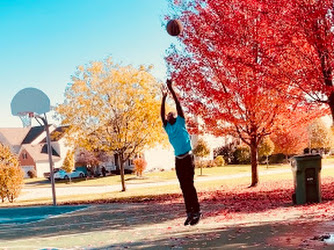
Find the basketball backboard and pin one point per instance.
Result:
(30, 100)
(29, 103)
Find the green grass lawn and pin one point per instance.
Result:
(161, 176)
(146, 192)
(151, 177)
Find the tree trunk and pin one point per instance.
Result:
(121, 169)
(267, 161)
(255, 178)
(331, 105)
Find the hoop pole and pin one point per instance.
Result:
(48, 140)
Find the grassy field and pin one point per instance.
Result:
(151, 177)
(161, 176)
(142, 193)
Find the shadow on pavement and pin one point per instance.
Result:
(159, 226)
(93, 218)
(32, 214)
(265, 236)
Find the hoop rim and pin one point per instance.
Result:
(26, 113)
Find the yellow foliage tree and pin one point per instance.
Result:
(201, 150)
(113, 108)
(68, 164)
(266, 148)
(320, 136)
(11, 175)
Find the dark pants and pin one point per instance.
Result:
(185, 170)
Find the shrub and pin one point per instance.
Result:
(228, 152)
(199, 164)
(210, 164)
(242, 155)
(277, 158)
(11, 175)
(219, 160)
(140, 165)
(32, 173)
(205, 164)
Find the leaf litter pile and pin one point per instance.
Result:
(268, 201)
(271, 200)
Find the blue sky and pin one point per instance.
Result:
(43, 41)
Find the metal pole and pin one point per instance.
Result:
(48, 140)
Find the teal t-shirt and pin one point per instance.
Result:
(178, 136)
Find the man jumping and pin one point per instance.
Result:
(178, 136)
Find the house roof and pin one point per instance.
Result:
(14, 136)
(24, 138)
(39, 154)
(33, 133)
(44, 150)
(20, 136)
(57, 134)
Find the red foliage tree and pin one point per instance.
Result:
(290, 141)
(227, 68)
(140, 165)
(310, 25)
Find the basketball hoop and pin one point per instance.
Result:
(30, 100)
(31, 103)
(25, 118)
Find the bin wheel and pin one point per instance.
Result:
(294, 198)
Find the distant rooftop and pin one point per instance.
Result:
(33, 133)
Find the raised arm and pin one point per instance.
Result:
(177, 102)
(163, 110)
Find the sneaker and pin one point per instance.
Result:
(195, 218)
(189, 218)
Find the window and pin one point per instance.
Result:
(24, 155)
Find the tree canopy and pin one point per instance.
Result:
(290, 141)
(310, 25)
(68, 164)
(229, 67)
(320, 135)
(113, 108)
(11, 175)
(266, 147)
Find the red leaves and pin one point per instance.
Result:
(230, 69)
(268, 200)
(290, 141)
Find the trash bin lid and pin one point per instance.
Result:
(307, 157)
(307, 161)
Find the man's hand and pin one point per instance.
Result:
(169, 84)
(163, 91)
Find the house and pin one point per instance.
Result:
(161, 157)
(94, 163)
(29, 143)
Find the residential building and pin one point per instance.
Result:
(29, 143)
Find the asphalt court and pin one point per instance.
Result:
(24, 215)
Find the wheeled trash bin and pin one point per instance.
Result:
(306, 173)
